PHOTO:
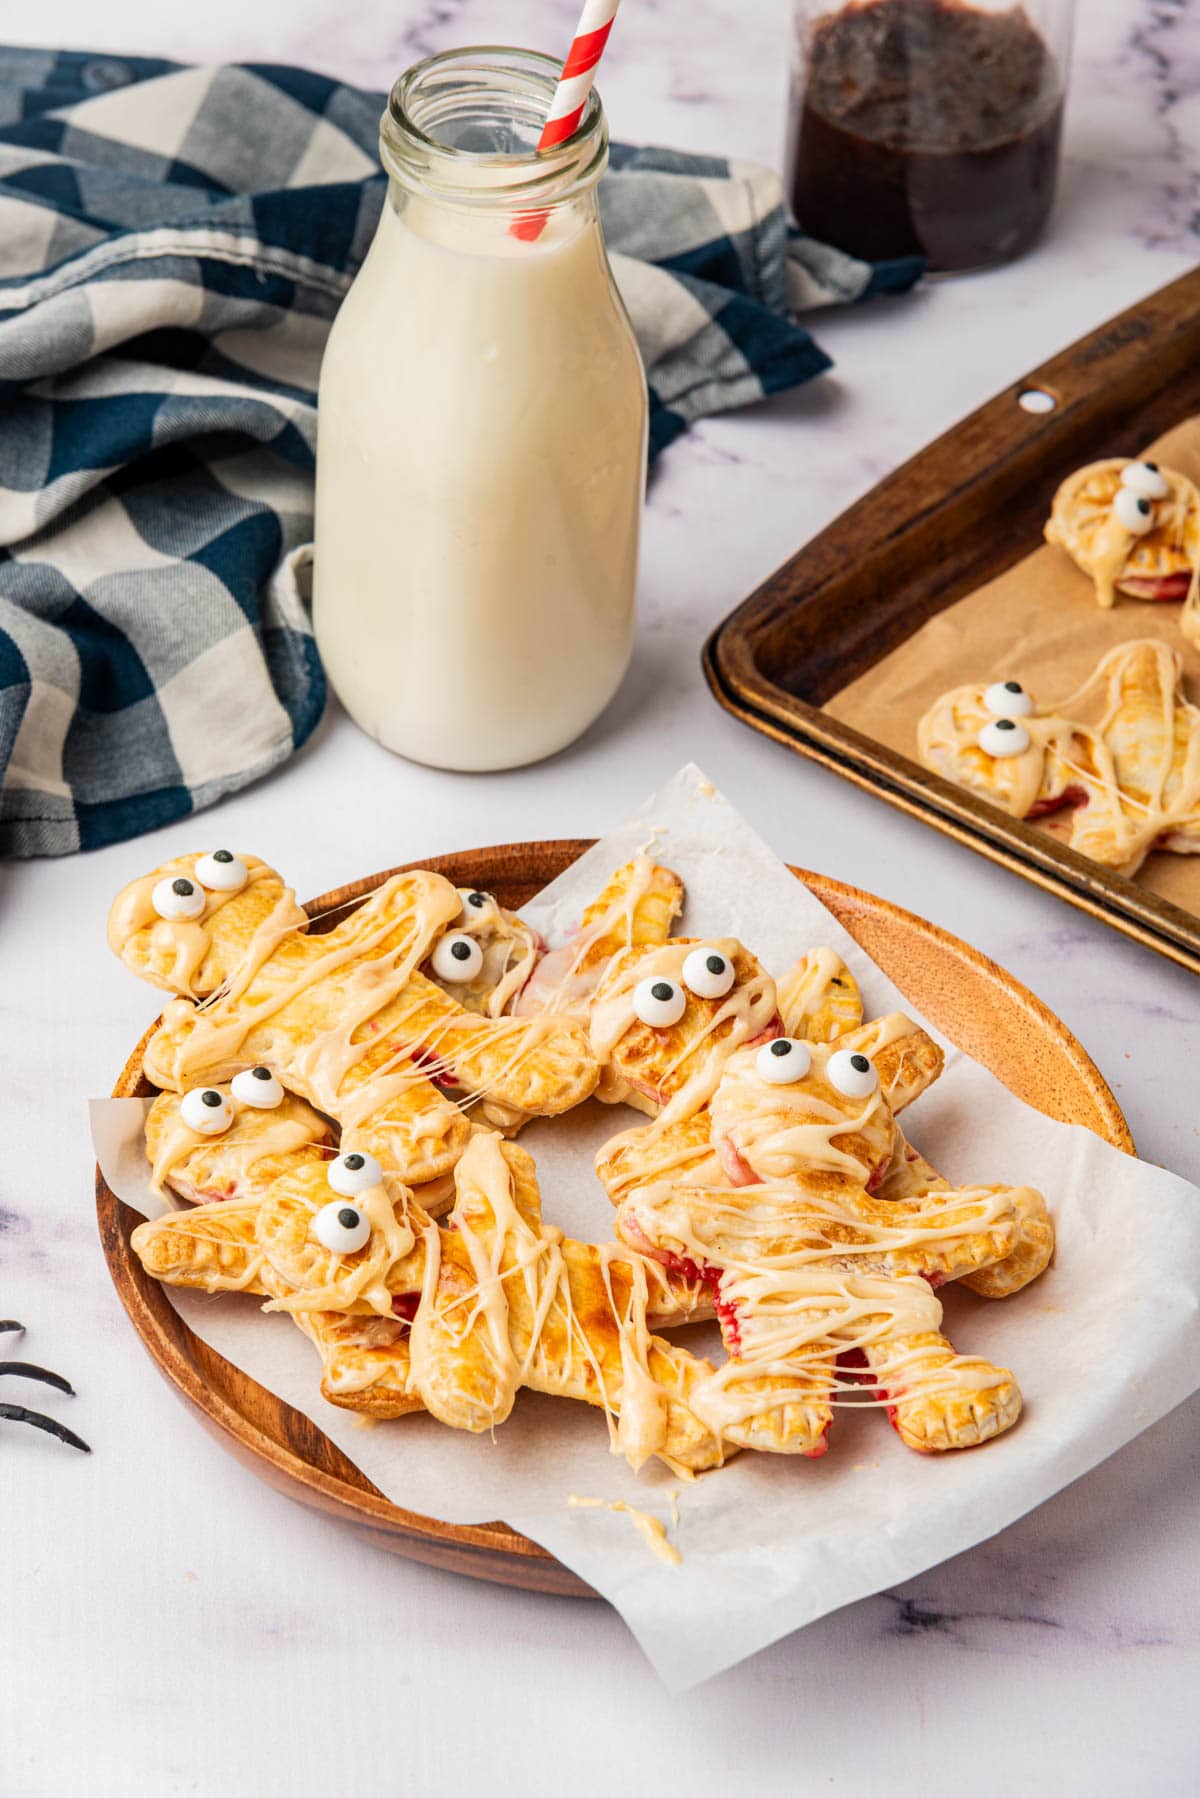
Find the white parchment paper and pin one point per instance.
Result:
(1104, 1344)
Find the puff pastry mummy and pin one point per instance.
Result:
(810, 1265)
(1134, 527)
(1131, 780)
(364, 1355)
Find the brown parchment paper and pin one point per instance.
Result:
(1037, 623)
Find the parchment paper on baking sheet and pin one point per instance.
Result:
(1037, 623)
(1103, 1345)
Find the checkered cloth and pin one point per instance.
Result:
(173, 244)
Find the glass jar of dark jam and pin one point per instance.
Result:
(928, 127)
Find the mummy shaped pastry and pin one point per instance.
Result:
(406, 1315)
(1131, 779)
(1134, 527)
(812, 1271)
(344, 1019)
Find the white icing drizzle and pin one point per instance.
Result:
(348, 1023)
(1138, 766)
(649, 1528)
(806, 986)
(410, 908)
(808, 1277)
(748, 1010)
(184, 942)
(1086, 521)
(472, 1325)
(566, 978)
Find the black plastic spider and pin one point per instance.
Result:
(28, 1371)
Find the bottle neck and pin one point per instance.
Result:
(459, 144)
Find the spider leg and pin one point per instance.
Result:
(18, 1414)
(28, 1370)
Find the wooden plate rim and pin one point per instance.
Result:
(142, 1297)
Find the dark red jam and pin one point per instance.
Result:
(927, 127)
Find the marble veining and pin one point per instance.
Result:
(915, 1618)
(174, 1626)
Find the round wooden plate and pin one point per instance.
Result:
(971, 1000)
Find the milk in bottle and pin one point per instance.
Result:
(481, 433)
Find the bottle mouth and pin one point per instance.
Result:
(463, 127)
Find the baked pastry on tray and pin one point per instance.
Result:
(328, 1096)
(1130, 781)
(1134, 527)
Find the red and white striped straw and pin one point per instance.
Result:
(579, 72)
(571, 94)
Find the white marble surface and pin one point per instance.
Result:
(170, 1625)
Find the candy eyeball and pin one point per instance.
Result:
(353, 1173)
(473, 903)
(258, 1088)
(1134, 512)
(783, 1061)
(1145, 479)
(222, 872)
(178, 897)
(708, 973)
(342, 1229)
(457, 958)
(1004, 737)
(1008, 699)
(659, 1003)
(206, 1111)
(851, 1074)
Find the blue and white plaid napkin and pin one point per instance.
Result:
(174, 242)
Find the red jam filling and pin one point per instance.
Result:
(1160, 587)
(1070, 799)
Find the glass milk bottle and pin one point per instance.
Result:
(481, 447)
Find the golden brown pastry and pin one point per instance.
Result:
(497, 1301)
(345, 1020)
(810, 1269)
(1131, 779)
(819, 998)
(664, 1019)
(314, 1075)
(485, 957)
(1133, 526)
(637, 907)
